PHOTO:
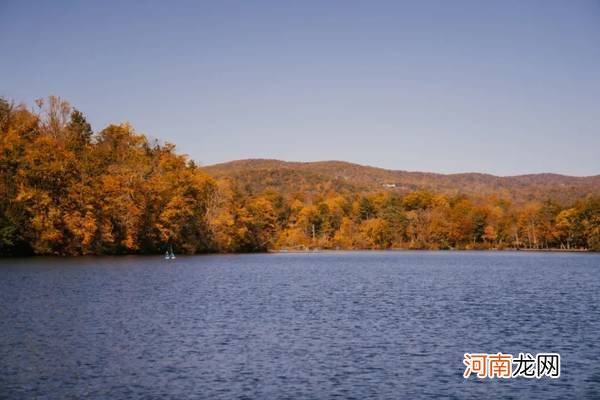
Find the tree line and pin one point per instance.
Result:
(69, 191)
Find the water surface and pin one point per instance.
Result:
(311, 326)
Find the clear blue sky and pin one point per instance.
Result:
(505, 87)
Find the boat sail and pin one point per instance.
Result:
(169, 255)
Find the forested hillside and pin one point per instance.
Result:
(68, 190)
(261, 174)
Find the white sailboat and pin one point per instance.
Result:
(169, 255)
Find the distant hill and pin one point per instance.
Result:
(257, 175)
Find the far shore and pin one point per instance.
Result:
(309, 251)
(433, 250)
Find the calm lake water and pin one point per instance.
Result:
(301, 326)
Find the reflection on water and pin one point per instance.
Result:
(327, 325)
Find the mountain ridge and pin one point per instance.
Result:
(349, 163)
(258, 174)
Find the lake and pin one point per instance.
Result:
(300, 326)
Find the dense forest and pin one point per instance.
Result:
(68, 190)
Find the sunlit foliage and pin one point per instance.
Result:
(66, 190)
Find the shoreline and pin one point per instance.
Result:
(431, 250)
(311, 251)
